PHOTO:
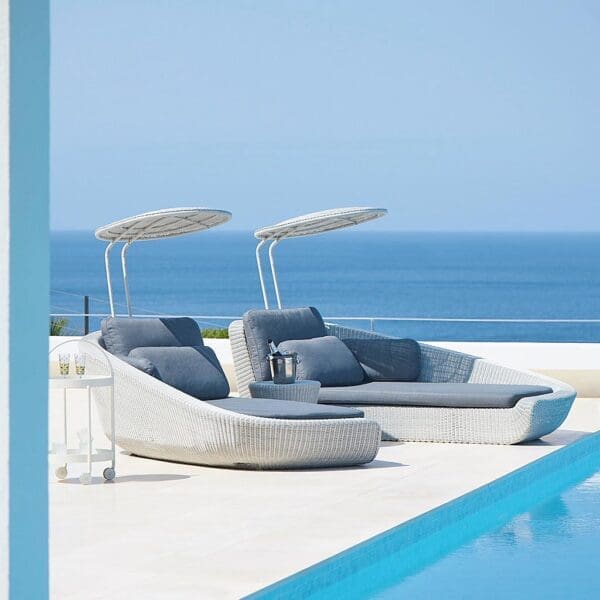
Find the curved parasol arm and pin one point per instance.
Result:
(273, 271)
(108, 277)
(260, 273)
(125, 276)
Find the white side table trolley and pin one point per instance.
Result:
(63, 455)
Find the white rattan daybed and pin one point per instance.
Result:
(459, 420)
(156, 420)
(530, 418)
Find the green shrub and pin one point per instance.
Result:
(57, 325)
(219, 333)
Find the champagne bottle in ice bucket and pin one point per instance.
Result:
(273, 348)
(283, 366)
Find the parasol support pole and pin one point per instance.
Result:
(274, 272)
(260, 273)
(125, 276)
(108, 278)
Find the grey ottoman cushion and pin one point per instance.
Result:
(193, 370)
(122, 334)
(448, 395)
(278, 325)
(387, 359)
(325, 359)
(284, 409)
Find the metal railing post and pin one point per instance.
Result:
(86, 315)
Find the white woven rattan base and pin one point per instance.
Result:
(530, 419)
(467, 425)
(157, 421)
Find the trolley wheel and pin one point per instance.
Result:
(85, 478)
(108, 473)
(61, 472)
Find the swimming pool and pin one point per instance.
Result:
(534, 533)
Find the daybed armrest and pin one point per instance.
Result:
(244, 374)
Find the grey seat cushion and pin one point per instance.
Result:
(285, 409)
(448, 395)
(194, 370)
(122, 334)
(387, 359)
(325, 359)
(278, 325)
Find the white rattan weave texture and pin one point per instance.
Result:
(530, 419)
(320, 222)
(159, 224)
(155, 420)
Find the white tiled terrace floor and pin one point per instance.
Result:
(164, 530)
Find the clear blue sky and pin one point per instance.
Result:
(454, 115)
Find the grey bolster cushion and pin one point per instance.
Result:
(387, 359)
(143, 364)
(325, 359)
(194, 370)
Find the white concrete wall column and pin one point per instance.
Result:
(24, 284)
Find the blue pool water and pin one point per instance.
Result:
(356, 273)
(534, 534)
(549, 551)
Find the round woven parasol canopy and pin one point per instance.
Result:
(319, 222)
(155, 225)
(160, 224)
(310, 224)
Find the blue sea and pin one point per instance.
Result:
(353, 274)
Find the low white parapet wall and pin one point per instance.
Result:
(576, 364)
(533, 355)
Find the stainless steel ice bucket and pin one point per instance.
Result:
(283, 367)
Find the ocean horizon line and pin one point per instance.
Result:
(404, 231)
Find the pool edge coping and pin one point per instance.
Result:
(518, 483)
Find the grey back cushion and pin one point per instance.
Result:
(278, 325)
(387, 359)
(325, 359)
(193, 370)
(122, 334)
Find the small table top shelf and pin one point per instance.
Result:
(79, 381)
